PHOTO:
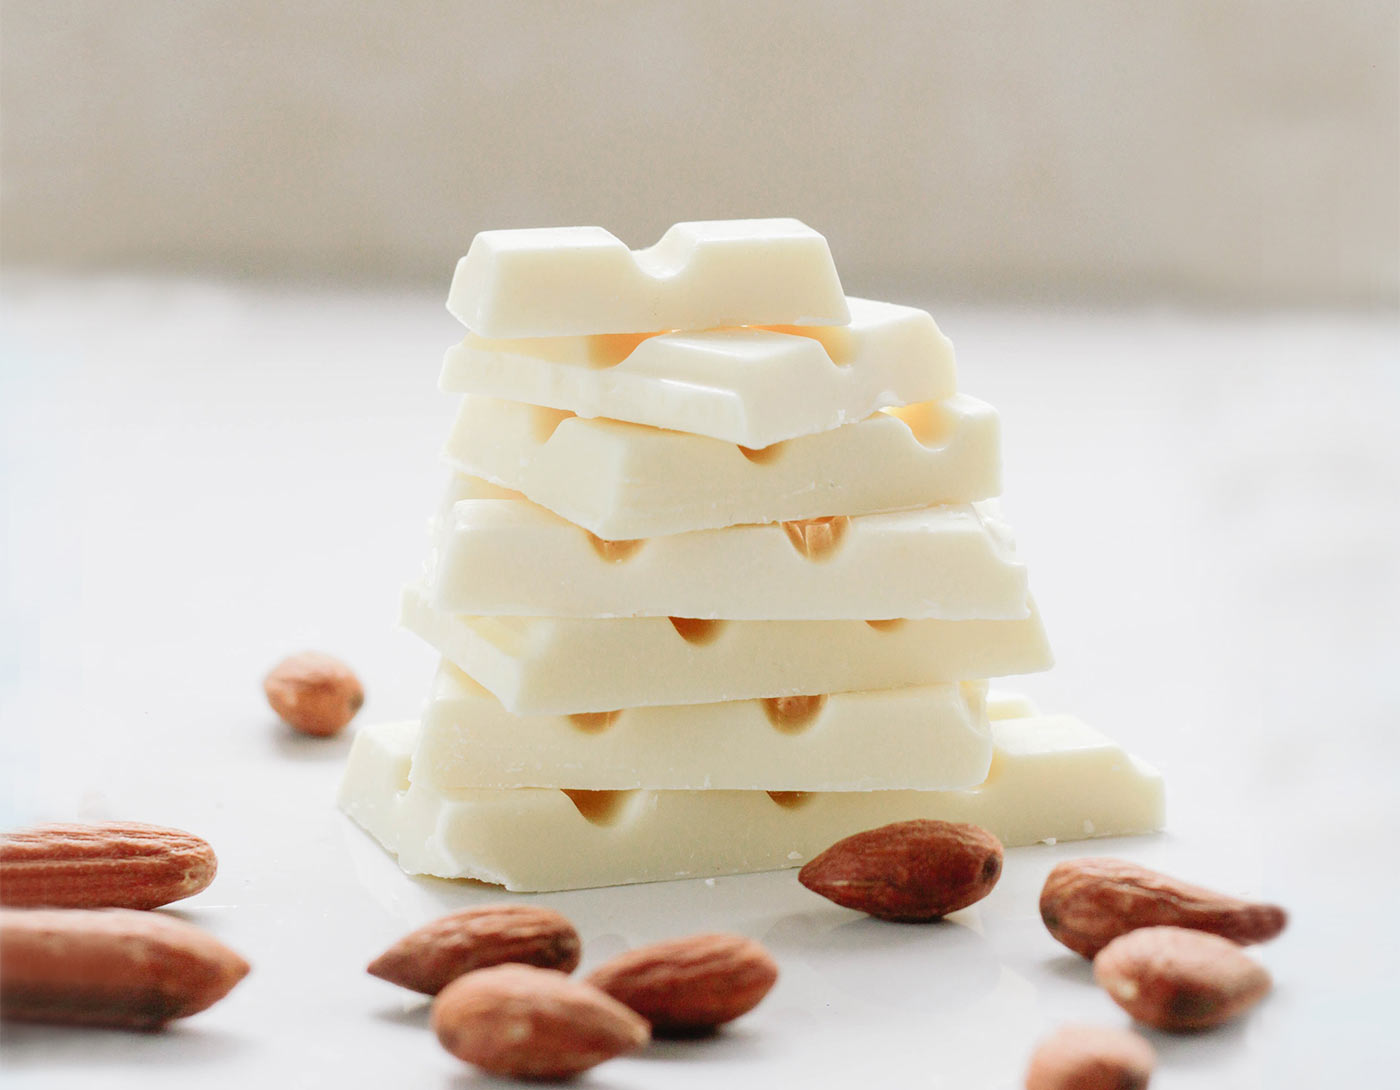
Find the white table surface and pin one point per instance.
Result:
(198, 479)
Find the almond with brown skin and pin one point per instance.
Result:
(109, 865)
(314, 693)
(1091, 1058)
(109, 967)
(429, 959)
(688, 986)
(529, 1023)
(910, 871)
(1087, 903)
(1175, 979)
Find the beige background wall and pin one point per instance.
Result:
(1221, 150)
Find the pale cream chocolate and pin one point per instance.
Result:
(1052, 778)
(624, 481)
(924, 737)
(544, 665)
(567, 281)
(510, 556)
(753, 386)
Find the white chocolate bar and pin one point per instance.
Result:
(754, 387)
(1052, 778)
(623, 481)
(554, 665)
(572, 281)
(925, 738)
(508, 556)
(1007, 705)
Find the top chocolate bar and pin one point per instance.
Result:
(580, 281)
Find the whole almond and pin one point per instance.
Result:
(1091, 1058)
(1176, 979)
(109, 865)
(429, 959)
(314, 693)
(109, 967)
(909, 871)
(1087, 903)
(529, 1023)
(688, 986)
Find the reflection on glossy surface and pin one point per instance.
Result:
(870, 959)
(183, 1046)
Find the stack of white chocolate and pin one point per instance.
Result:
(719, 580)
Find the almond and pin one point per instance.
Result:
(1176, 979)
(909, 871)
(1091, 1058)
(109, 967)
(111, 865)
(1087, 903)
(689, 986)
(429, 959)
(314, 693)
(529, 1023)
